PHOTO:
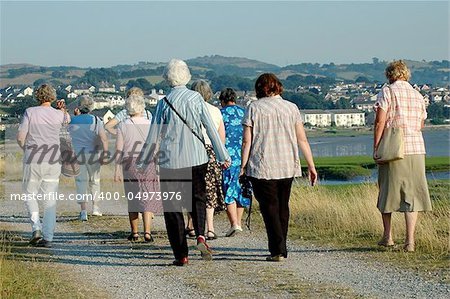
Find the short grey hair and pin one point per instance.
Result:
(135, 104)
(203, 88)
(177, 73)
(86, 103)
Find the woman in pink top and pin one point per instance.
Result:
(141, 188)
(402, 183)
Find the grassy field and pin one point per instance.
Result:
(346, 217)
(35, 278)
(347, 167)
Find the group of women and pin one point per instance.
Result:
(192, 148)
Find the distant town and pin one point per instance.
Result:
(324, 101)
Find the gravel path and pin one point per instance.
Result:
(98, 255)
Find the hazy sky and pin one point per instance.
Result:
(105, 33)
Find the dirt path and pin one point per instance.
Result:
(99, 256)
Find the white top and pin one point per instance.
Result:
(216, 116)
(134, 132)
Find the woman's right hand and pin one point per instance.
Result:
(312, 175)
(118, 177)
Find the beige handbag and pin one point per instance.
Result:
(391, 146)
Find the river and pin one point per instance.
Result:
(437, 143)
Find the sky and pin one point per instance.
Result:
(107, 33)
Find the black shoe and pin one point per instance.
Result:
(44, 243)
(36, 237)
(181, 262)
(148, 238)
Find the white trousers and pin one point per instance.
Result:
(88, 182)
(41, 178)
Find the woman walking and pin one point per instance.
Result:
(38, 137)
(273, 133)
(131, 135)
(402, 183)
(85, 129)
(175, 140)
(232, 118)
(214, 193)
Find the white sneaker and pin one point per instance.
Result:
(239, 229)
(233, 230)
(96, 211)
(83, 215)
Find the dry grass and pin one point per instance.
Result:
(34, 277)
(346, 216)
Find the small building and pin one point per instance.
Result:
(72, 95)
(104, 114)
(28, 91)
(316, 117)
(106, 87)
(348, 117)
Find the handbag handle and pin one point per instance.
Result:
(392, 107)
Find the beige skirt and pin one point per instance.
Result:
(403, 186)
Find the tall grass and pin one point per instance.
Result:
(347, 216)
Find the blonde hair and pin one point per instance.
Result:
(135, 91)
(135, 104)
(45, 93)
(203, 88)
(397, 70)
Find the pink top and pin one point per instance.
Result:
(134, 132)
(409, 114)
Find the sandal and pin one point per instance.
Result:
(133, 237)
(190, 233)
(386, 243)
(210, 235)
(148, 238)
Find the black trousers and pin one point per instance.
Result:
(273, 197)
(192, 185)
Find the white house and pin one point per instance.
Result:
(316, 117)
(154, 97)
(28, 91)
(106, 87)
(348, 117)
(72, 95)
(101, 103)
(68, 88)
(116, 101)
(363, 105)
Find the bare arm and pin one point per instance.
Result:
(110, 126)
(222, 131)
(306, 150)
(21, 136)
(246, 146)
(380, 122)
(118, 177)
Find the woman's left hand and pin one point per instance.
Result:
(226, 164)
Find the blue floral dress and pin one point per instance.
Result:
(232, 119)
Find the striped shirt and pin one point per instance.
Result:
(274, 152)
(409, 114)
(178, 147)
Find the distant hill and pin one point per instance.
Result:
(434, 72)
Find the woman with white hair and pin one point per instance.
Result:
(38, 136)
(131, 135)
(110, 126)
(85, 129)
(177, 131)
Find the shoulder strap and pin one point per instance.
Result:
(393, 104)
(139, 129)
(184, 121)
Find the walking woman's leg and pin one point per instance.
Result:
(411, 220)
(147, 219)
(134, 219)
(232, 214)
(387, 233)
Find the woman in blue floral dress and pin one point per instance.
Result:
(232, 118)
